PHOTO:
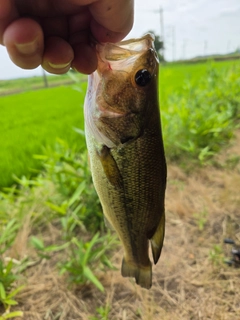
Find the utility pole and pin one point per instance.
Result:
(45, 78)
(162, 30)
(160, 12)
(228, 46)
(184, 49)
(205, 48)
(173, 43)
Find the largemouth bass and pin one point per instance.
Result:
(124, 140)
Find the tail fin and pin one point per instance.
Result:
(142, 275)
(157, 239)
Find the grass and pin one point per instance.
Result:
(37, 82)
(63, 195)
(190, 281)
(53, 243)
(173, 76)
(200, 118)
(31, 120)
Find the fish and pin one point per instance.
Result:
(126, 152)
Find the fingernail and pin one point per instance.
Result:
(59, 66)
(27, 48)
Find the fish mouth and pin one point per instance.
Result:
(119, 55)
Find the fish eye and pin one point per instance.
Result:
(142, 77)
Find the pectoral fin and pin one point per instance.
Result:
(110, 167)
(157, 239)
(108, 224)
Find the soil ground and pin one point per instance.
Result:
(190, 281)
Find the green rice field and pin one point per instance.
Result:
(173, 76)
(33, 119)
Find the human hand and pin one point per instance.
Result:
(57, 34)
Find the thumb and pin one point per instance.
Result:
(111, 20)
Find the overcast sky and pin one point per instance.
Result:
(191, 28)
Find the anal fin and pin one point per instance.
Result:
(157, 239)
(142, 275)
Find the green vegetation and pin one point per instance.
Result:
(216, 255)
(173, 77)
(201, 219)
(31, 120)
(7, 295)
(53, 208)
(189, 96)
(201, 118)
(103, 313)
(63, 198)
(29, 84)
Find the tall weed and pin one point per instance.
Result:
(200, 119)
(63, 196)
(78, 203)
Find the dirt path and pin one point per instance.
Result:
(189, 282)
